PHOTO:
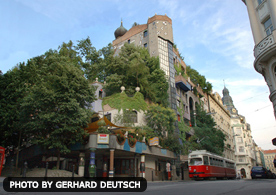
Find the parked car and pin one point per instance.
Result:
(260, 172)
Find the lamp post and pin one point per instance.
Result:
(195, 117)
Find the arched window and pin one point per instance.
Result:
(133, 116)
(101, 94)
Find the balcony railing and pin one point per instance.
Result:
(264, 45)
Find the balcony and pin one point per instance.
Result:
(264, 45)
(182, 83)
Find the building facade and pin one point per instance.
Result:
(222, 118)
(157, 37)
(245, 156)
(260, 161)
(269, 156)
(262, 16)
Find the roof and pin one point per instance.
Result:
(133, 31)
(159, 17)
(92, 127)
(269, 151)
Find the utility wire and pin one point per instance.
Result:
(262, 108)
(251, 97)
(258, 109)
(263, 128)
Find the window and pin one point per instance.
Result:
(101, 93)
(133, 116)
(108, 116)
(241, 149)
(268, 26)
(260, 2)
(145, 45)
(128, 41)
(239, 140)
(145, 33)
(124, 166)
(196, 161)
(94, 119)
(205, 160)
(241, 160)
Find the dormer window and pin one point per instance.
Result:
(145, 33)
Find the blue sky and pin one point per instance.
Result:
(213, 36)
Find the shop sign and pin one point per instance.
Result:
(103, 139)
(154, 141)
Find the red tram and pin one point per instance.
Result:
(204, 164)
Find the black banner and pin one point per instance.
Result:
(76, 184)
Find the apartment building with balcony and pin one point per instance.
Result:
(269, 156)
(245, 156)
(262, 16)
(222, 118)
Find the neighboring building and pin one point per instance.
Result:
(262, 16)
(260, 161)
(269, 156)
(222, 118)
(244, 146)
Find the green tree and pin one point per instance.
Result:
(135, 68)
(161, 120)
(92, 62)
(207, 136)
(197, 78)
(9, 98)
(56, 107)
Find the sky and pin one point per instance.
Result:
(213, 36)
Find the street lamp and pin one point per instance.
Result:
(195, 117)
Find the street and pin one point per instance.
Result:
(217, 187)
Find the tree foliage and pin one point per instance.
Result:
(12, 91)
(197, 78)
(56, 108)
(135, 68)
(211, 139)
(46, 100)
(161, 120)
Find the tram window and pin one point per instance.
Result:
(211, 161)
(205, 159)
(196, 161)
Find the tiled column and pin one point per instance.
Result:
(92, 166)
(81, 165)
(111, 169)
(143, 166)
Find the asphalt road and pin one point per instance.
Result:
(216, 187)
